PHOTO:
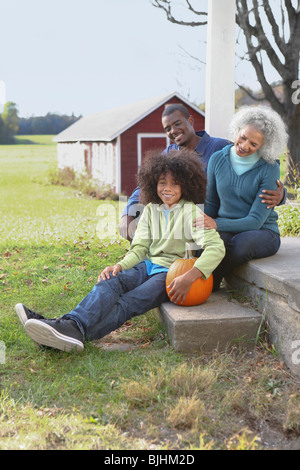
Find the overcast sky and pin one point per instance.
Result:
(84, 56)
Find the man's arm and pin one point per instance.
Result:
(127, 227)
(128, 223)
(274, 198)
(132, 200)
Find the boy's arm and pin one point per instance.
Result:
(140, 243)
(105, 274)
(181, 285)
(137, 252)
(213, 253)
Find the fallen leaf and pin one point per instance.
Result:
(82, 267)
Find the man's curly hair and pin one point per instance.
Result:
(186, 169)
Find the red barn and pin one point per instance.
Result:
(110, 145)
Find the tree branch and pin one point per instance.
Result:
(243, 18)
(275, 29)
(250, 93)
(290, 9)
(201, 13)
(192, 56)
(165, 5)
(265, 43)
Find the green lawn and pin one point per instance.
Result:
(144, 397)
(32, 210)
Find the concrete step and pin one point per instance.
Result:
(273, 284)
(215, 325)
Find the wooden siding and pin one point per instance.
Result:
(105, 164)
(71, 155)
(98, 159)
(129, 142)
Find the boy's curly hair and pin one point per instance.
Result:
(186, 169)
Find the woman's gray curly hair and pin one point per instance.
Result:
(266, 121)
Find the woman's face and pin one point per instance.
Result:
(249, 141)
(168, 189)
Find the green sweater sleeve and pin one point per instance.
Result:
(141, 242)
(212, 245)
(214, 252)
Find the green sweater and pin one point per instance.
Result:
(163, 242)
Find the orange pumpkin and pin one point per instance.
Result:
(200, 289)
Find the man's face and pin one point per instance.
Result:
(178, 128)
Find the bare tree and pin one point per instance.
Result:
(271, 36)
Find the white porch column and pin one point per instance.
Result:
(220, 67)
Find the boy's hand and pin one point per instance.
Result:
(181, 285)
(114, 270)
(179, 289)
(273, 198)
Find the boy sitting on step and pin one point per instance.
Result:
(171, 187)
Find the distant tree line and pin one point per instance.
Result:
(11, 124)
(50, 124)
(8, 123)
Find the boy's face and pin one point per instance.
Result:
(168, 189)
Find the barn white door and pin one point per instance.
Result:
(149, 141)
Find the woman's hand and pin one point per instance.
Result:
(181, 285)
(206, 222)
(105, 274)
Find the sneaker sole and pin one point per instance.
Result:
(19, 308)
(44, 334)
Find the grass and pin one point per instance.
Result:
(141, 396)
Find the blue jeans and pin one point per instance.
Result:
(243, 247)
(111, 303)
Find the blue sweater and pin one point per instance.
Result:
(233, 200)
